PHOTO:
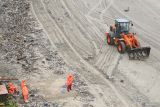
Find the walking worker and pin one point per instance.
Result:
(69, 82)
(24, 91)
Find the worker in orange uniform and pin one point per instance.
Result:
(24, 91)
(69, 82)
(11, 88)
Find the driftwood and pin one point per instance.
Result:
(7, 78)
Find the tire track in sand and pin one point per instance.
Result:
(91, 68)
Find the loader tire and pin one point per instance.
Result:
(121, 47)
(110, 40)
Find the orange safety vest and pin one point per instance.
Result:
(69, 79)
(11, 88)
(24, 91)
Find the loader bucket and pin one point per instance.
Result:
(139, 53)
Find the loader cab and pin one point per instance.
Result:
(122, 26)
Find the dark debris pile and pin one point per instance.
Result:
(82, 89)
(20, 36)
(21, 39)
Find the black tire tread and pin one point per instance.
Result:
(123, 47)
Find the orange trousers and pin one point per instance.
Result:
(25, 93)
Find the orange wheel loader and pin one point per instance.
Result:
(125, 41)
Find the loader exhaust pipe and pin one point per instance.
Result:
(139, 53)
